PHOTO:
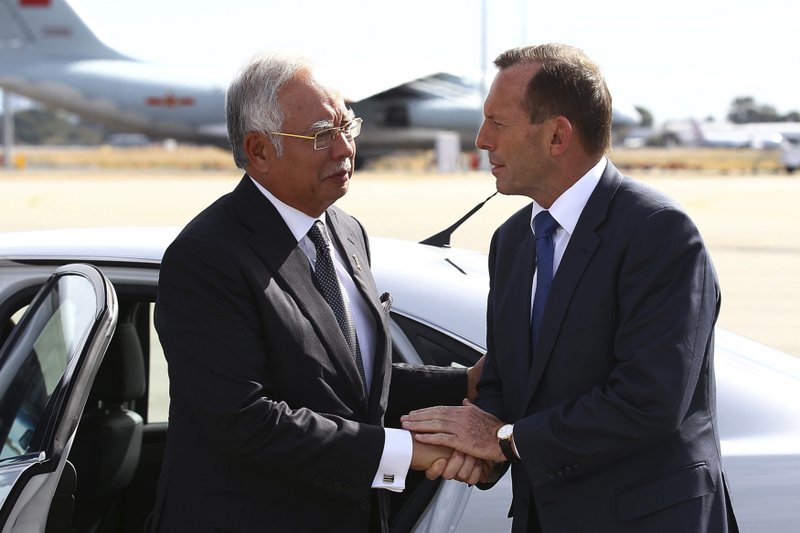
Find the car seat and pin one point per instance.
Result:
(109, 437)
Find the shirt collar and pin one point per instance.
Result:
(299, 223)
(567, 208)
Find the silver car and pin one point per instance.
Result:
(83, 414)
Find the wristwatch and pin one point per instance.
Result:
(504, 437)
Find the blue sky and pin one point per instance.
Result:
(678, 59)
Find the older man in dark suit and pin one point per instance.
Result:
(599, 386)
(277, 341)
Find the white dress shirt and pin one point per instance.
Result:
(398, 446)
(566, 210)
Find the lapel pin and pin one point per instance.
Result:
(355, 260)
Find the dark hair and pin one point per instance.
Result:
(567, 83)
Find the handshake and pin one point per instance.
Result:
(457, 442)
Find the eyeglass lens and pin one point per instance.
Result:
(325, 138)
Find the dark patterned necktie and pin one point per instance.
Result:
(544, 226)
(328, 284)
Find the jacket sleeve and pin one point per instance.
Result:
(490, 389)
(419, 386)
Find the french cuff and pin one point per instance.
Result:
(395, 460)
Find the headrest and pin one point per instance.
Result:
(121, 376)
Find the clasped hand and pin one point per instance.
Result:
(465, 439)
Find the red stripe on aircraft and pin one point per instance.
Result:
(57, 31)
(34, 3)
(169, 100)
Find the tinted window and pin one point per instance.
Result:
(36, 359)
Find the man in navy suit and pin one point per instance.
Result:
(601, 394)
(277, 341)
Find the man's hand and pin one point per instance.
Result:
(439, 461)
(429, 457)
(467, 429)
(460, 467)
(473, 377)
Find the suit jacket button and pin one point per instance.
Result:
(364, 505)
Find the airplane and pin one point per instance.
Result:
(725, 134)
(48, 54)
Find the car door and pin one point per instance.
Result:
(427, 506)
(47, 364)
(438, 318)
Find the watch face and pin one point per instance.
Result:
(505, 432)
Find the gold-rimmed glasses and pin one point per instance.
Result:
(324, 138)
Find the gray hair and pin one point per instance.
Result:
(251, 103)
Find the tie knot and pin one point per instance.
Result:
(544, 224)
(318, 236)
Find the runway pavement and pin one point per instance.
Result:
(750, 222)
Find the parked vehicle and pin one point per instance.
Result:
(790, 152)
(79, 424)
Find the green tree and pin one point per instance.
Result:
(41, 126)
(745, 110)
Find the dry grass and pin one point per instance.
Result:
(186, 157)
(717, 160)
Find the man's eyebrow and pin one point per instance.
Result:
(348, 116)
(321, 125)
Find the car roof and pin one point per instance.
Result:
(434, 285)
(127, 244)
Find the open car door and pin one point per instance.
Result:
(47, 366)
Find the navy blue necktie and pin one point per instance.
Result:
(328, 284)
(544, 226)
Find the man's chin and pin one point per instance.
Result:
(335, 188)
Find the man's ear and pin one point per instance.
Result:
(562, 135)
(258, 150)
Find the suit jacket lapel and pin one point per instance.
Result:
(275, 245)
(358, 264)
(582, 246)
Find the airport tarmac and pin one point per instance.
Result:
(750, 222)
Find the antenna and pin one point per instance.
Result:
(442, 239)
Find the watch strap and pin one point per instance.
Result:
(508, 450)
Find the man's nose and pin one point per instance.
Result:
(343, 147)
(482, 141)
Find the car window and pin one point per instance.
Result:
(158, 395)
(414, 343)
(430, 346)
(34, 362)
(7, 325)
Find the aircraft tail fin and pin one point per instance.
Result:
(48, 29)
(698, 136)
